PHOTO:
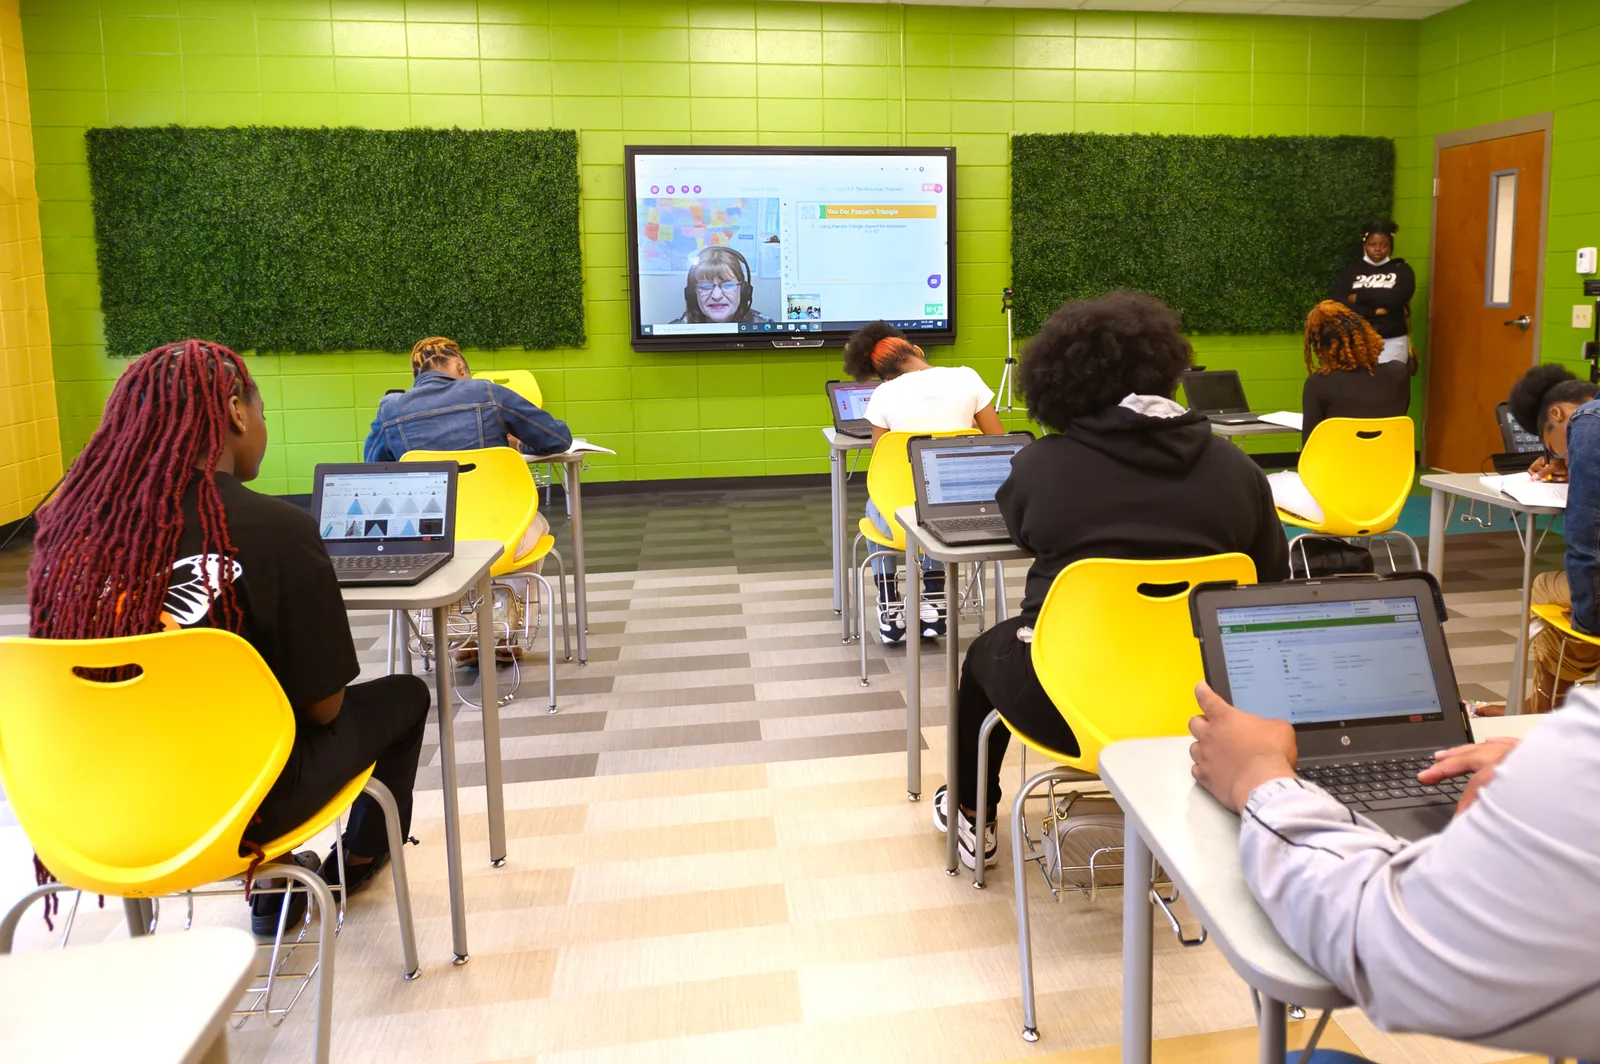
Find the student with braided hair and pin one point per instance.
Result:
(1347, 378)
(914, 397)
(154, 530)
(1346, 375)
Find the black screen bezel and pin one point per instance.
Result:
(775, 340)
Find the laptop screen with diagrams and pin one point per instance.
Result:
(361, 506)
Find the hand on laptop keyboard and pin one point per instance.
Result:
(1387, 783)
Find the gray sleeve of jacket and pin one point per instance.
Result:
(1487, 932)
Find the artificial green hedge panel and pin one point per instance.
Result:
(1240, 234)
(277, 239)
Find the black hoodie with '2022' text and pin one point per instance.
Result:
(1122, 484)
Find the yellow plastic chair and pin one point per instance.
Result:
(1360, 471)
(496, 499)
(520, 381)
(144, 787)
(1560, 618)
(890, 487)
(1115, 650)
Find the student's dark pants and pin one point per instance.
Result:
(998, 674)
(380, 722)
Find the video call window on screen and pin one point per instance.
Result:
(739, 247)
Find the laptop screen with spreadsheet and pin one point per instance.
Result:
(967, 473)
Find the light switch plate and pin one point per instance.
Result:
(1583, 316)
(1586, 260)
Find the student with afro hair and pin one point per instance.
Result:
(1124, 471)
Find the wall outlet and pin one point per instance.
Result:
(1586, 260)
(1583, 316)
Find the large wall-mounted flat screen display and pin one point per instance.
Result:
(762, 248)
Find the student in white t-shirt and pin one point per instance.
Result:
(914, 397)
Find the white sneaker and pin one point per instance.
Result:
(941, 816)
(967, 840)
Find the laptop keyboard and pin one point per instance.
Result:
(968, 524)
(364, 563)
(1373, 786)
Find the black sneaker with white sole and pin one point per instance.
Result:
(966, 835)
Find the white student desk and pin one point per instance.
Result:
(839, 446)
(1446, 488)
(573, 461)
(1254, 428)
(443, 588)
(953, 558)
(163, 999)
(1168, 816)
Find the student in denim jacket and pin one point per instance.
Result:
(1550, 401)
(446, 410)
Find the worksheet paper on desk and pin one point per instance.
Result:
(1287, 418)
(1528, 491)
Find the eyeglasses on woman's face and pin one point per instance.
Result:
(727, 288)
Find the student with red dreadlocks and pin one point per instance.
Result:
(1346, 378)
(154, 529)
(914, 397)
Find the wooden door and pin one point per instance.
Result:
(1484, 306)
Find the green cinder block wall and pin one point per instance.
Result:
(668, 71)
(1490, 60)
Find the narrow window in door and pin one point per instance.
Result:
(1502, 230)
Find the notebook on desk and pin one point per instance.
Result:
(1360, 667)
(956, 478)
(386, 523)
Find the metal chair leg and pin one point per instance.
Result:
(8, 923)
(980, 808)
(327, 936)
(550, 634)
(402, 883)
(561, 579)
(1030, 1024)
(861, 636)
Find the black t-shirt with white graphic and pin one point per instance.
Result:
(1388, 286)
(289, 596)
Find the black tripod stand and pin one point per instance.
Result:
(29, 519)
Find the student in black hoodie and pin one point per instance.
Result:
(1380, 289)
(1124, 472)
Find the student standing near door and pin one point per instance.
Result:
(1380, 288)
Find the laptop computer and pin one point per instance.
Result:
(1522, 448)
(386, 523)
(848, 401)
(956, 478)
(1219, 395)
(1360, 667)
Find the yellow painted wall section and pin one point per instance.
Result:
(30, 441)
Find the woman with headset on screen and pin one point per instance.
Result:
(719, 289)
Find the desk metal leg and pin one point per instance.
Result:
(139, 913)
(1519, 661)
(952, 680)
(913, 675)
(841, 536)
(580, 575)
(1436, 523)
(489, 689)
(1274, 1032)
(443, 690)
(1137, 961)
(834, 464)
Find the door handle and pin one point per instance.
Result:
(1523, 322)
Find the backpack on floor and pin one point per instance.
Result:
(1315, 557)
